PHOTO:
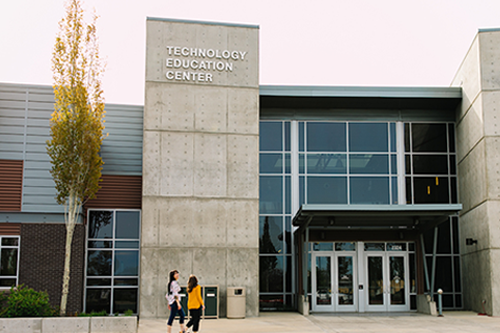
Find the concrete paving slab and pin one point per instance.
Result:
(463, 321)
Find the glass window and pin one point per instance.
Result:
(327, 190)
(326, 137)
(430, 164)
(429, 137)
(112, 255)
(127, 224)
(323, 246)
(9, 261)
(351, 246)
(100, 224)
(369, 190)
(327, 163)
(271, 136)
(374, 246)
(271, 163)
(271, 234)
(393, 137)
(271, 194)
(368, 164)
(271, 273)
(430, 190)
(368, 137)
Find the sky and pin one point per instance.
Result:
(314, 42)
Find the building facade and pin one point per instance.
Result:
(321, 199)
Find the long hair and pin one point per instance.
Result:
(171, 279)
(192, 283)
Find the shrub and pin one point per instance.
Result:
(102, 313)
(128, 312)
(26, 302)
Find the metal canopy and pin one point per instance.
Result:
(374, 217)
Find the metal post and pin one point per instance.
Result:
(434, 250)
(426, 271)
(440, 302)
(307, 262)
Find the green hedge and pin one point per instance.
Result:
(26, 302)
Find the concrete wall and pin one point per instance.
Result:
(200, 162)
(478, 143)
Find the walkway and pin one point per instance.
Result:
(350, 323)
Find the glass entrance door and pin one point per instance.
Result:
(333, 280)
(386, 276)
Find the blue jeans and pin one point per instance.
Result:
(173, 312)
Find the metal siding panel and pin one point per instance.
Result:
(11, 185)
(17, 130)
(35, 208)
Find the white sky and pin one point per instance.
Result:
(315, 42)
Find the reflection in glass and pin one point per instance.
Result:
(326, 137)
(346, 282)
(327, 163)
(375, 281)
(413, 266)
(393, 137)
(128, 224)
(271, 163)
(126, 263)
(394, 184)
(271, 234)
(126, 244)
(100, 224)
(99, 263)
(323, 281)
(430, 164)
(396, 246)
(368, 137)
(98, 282)
(288, 234)
(374, 246)
(394, 164)
(271, 194)
(369, 190)
(323, 246)
(7, 282)
(271, 302)
(351, 246)
(126, 282)
(397, 276)
(368, 164)
(271, 273)
(429, 138)
(100, 244)
(8, 265)
(430, 190)
(98, 300)
(326, 190)
(125, 299)
(270, 135)
(7, 241)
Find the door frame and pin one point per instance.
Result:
(386, 285)
(334, 306)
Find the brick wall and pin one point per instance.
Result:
(42, 261)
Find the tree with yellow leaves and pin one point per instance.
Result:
(77, 124)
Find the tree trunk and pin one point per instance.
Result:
(71, 215)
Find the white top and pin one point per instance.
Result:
(174, 291)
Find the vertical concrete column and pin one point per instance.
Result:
(201, 162)
(478, 143)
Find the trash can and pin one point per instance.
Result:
(236, 302)
(211, 300)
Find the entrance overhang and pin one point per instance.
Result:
(418, 218)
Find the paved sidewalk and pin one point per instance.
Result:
(348, 323)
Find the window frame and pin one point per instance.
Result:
(18, 247)
(112, 287)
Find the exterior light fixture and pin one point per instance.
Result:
(470, 241)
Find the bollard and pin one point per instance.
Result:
(440, 302)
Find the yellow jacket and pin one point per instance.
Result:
(194, 298)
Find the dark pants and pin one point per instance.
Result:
(195, 319)
(173, 312)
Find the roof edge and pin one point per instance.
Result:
(237, 25)
(361, 91)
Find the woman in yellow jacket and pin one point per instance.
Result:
(195, 303)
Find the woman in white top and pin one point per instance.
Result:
(174, 301)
